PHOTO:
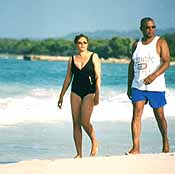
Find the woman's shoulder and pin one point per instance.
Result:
(71, 58)
(93, 54)
(95, 57)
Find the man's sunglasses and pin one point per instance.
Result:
(150, 27)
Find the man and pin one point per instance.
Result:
(146, 82)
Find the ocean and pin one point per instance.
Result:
(33, 127)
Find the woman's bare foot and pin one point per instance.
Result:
(94, 149)
(77, 156)
(133, 152)
(166, 148)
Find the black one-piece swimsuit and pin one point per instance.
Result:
(83, 79)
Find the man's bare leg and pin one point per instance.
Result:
(162, 124)
(136, 126)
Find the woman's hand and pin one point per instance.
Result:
(96, 99)
(60, 102)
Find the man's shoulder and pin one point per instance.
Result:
(134, 45)
(161, 41)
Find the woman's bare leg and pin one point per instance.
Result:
(86, 111)
(76, 117)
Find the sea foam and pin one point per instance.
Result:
(40, 105)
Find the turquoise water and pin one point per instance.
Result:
(31, 125)
(49, 141)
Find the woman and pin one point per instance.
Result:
(85, 69)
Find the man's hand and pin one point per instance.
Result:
(150, 79)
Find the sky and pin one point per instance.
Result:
(57, 18)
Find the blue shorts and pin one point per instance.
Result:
(155, 99)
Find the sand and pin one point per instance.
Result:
(131, 164)
(64, 58)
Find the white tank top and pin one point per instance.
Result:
(146, 61)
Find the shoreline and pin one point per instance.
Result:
(66, 58)
(134, 164)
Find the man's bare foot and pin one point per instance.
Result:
(77, 156)
(94, 149)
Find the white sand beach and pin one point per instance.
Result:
(133, 164)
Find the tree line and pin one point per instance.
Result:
(116, 47)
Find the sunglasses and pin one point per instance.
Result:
(80, 43)
(150, 27)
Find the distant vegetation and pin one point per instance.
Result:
(116, 47)
(108, 34)
(170, 38)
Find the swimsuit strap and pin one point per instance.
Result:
(91, 58)
(73, 62)
(88, 61)
(91, 55)
(72, 59)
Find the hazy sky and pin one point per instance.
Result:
(57, 18)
